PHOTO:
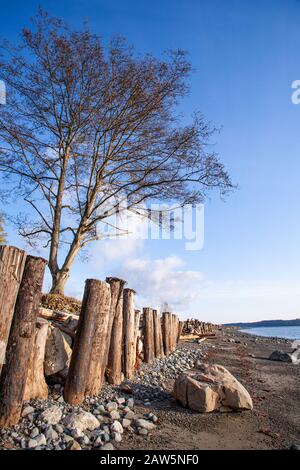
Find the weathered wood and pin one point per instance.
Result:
(114, 358)
(158, 350)
(137, 319)
(12, 262)
(36, 386)
(129, 336)
(56, 315)
(180, 327)
(86, 366)
(174, 331)
(148, 334)
(21, 342)
(166, 327)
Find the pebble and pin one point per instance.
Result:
(38, 441)
(117, 427)
(107, 446)
(143, 423)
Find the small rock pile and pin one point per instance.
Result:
(50, 426)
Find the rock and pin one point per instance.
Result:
(74, 446)
(52, 415)
(77, 433)
(111, 406)
(143, 432)
(50, 434)
(81, 420)
(126, 389)
(295, 446)
(35, 432)
(107, 446)
(121, 400)
(114, 415)
(57, 352)
(117, 427)
(130, 402)
(38, 441)
(143, 423)
(283, 357)
(130, 415)
(126, 423)
(210, 387)
(116, 436)
(27, 410)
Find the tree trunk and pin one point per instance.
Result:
(12, 262)
(137, 317)
(129, 337)
(86, 370)
(59, 280)
(157, 333)
(115, 352)
(166, 325)
(21, 342)
(148, 335)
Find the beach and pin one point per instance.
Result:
(274, 387)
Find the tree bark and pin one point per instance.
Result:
(36, 386)
(148, 334)
(86, 370)
(180, 327)
(12, 262)
(21, 342)
(115, 352)
(137, 318)
(129, 337)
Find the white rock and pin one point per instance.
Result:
(143, 423)
(82, 420)
(117, 427)
(116, 436)
(114, 415)
(57, 352)
(27, 411)
(52, 415)
(38, 441)
(126, 423)
(107, 446)
(111, 406)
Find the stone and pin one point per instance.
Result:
(75, 446)
(52, 415)
(81, 420)
(77, 433)
(283, 357)
(38, 441)
(114, 415)
(111, 406)
(107, 446)
(126, 423)
(130, 402)
(143, 423)
(143, 432)
(209, 387)
(35, 432)
(27, 411)
(121, 400)
(130, 415)
(117, 437)
(57, 352)
(117, 427)
(50, 434)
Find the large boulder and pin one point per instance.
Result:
(283, 357)
(208, 388)
(82, 420)
(57, 352)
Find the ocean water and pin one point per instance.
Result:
(289, 332)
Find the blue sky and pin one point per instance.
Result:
(245, 56)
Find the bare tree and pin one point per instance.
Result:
(85, 125)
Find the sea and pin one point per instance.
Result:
(289, 332)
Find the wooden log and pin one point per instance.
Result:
(166, 325)
(129, 333)
(162, 353)
(137, 319)
(56, 315)
(36, 386)
(21, 342)
(114, 357)
(12, 262)
(180, 327)
(148, 334)
(157, 334)
(86, 370)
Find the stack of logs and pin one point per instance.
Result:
(104, 346)
(197, 327)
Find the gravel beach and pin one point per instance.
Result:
(142, 414)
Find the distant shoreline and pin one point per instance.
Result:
(266, 323)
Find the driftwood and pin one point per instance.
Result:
(158, 343)
(148, 335)
(115, 333)
(12, 262)
(21, 342)
(86, 367)
(166, 331)
(137, 319)
(129, 333)
(36, 386)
